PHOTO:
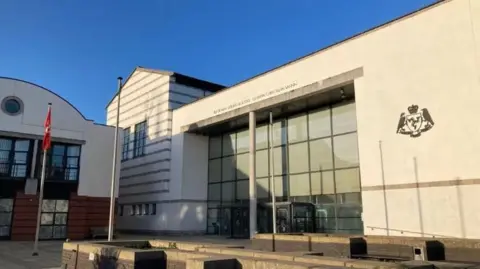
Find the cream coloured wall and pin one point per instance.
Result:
(423, 59)
(67, 123)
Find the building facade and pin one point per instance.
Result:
(78, 168)
(374, 135)
(147, 100)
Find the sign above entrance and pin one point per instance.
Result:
(255, 98)
(416, 122)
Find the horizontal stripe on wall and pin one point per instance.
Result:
(143, 193)
(431, 184)
(174, 201)
(146, 173)
(140, 113)
(144, 164)
(133, 91)
(144, 183)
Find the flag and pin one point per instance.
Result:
(47, 134)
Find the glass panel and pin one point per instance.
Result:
(261, 163)
(72, 162)
(5, 219)
(20, 157)
(243, 166)
(346, 150)
(279, 133)
(153, 209)
(46, 232)
(22, 145)
(228, 191)
(212, 217)
(350, 198)
(46, 219)
(321, 154)
(297, 128)
(319, 123)
(347, 180)
(214, 192)
(214, 170)
(299, 185)
(280, 160)
(6, 205)
(5, 144)
(48, 206)
(5, 231)
(57, 161)
(228, 168)
(73, 151)
(262, 187)
(242, 190)
(344, 119)
(243, 143)
(228, 145)
(58, 150)
(60, 218)
(262, 137)
(297, 155)
(146, 209)
(215, 147)
(61, 206)
(19, 170)
(280, 185)
(322, 183)
(60, 232)
(71, 174)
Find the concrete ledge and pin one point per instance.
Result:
(212, 263)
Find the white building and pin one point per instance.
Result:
(376, 134)
(78, 172)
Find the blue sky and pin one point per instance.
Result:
(77, 48)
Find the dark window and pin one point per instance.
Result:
(63, 162)
(15, 156)
(12, 105)
(126, 144)
(153, 209)
(139, 139)
(120, 210)
(53, 224)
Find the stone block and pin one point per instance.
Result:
(212, 263)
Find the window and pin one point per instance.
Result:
(140, 139)
(15, 156)
(53, 223)
(126, 144)
(12, 105)
(120, 210)
(63, 161)
(153, 209)
(146, 209)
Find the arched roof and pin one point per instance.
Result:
(43, 88)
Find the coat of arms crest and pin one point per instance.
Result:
(415, 122)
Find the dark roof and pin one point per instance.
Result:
(179, 79)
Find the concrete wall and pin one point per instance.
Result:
(423, 59)
(67, 123)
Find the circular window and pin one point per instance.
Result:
(12, 105)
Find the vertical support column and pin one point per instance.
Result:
(252, 189)
(34, 158)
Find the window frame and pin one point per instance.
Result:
(139, 140)
(126, 144)
(54, 213)
(11, 157)
(65, 158)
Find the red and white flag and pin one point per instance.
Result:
(47, 135)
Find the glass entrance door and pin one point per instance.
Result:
(240, 222)
(6, 213)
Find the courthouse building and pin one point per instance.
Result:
(78, 167)
(374, 135)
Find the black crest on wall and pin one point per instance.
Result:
(415, 122)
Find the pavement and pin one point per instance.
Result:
(18, 255)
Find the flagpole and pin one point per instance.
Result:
(114, 166)
(40, 195)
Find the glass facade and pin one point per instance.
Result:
(315, 161)
(53, 224)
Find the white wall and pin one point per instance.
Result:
(423, 59)
(67, 123)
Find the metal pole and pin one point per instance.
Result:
(272, 179)
(40, 197)
(252, 189)
(114, 165)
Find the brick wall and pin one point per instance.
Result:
(86, 212)
(24, 217)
